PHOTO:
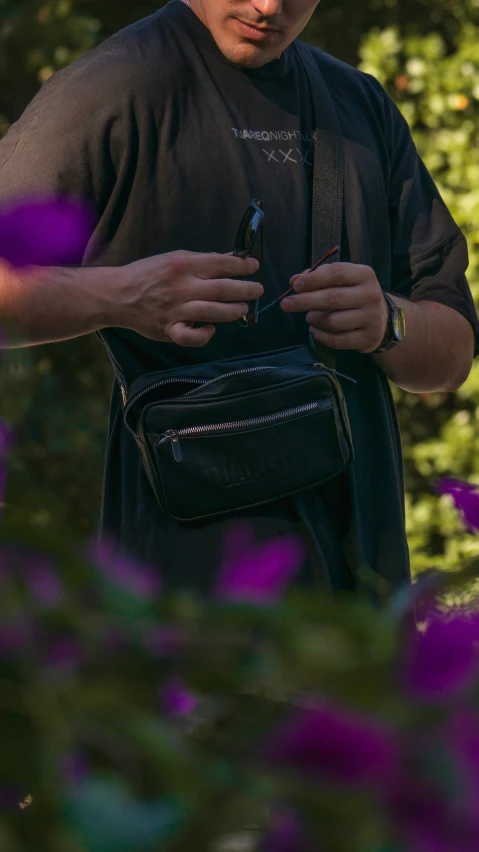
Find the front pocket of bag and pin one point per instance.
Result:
(222, 467)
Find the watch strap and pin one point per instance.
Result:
(390, 340)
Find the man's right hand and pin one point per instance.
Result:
(163, 297)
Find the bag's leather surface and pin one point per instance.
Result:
(230, 435)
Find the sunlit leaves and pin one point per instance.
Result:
(434, 78)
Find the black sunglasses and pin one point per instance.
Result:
(251, 225)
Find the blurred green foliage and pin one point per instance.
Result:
(97, 758)
(426, 53)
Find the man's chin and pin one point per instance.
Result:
(246, 55)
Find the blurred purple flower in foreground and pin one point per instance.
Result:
(163, 641)
(429, 819)
(441, 662)
(176, 699)
(41, 579)
(466, 499)
(258, 573)
(144, 581)
(64, 655)
(286, 834)
(333, 743)
(39, 231)
(73, 768)
(420, 813)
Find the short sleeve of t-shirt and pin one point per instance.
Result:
(70, 135)
(429, 251)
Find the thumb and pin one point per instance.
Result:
(184, 334)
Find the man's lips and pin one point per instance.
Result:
(256, 32)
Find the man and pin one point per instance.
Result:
(170, 128)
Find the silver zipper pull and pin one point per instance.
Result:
(174, 438)
(348, 378)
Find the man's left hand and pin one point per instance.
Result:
(344, 306)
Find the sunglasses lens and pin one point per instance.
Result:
(247, 232)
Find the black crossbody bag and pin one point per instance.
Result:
(228, 435)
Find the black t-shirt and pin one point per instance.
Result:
(171, 141)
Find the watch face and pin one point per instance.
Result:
(399, 324)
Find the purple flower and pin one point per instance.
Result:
(176, 699)
(441, 662)
(73, 768)
(163, 641)
(466, 499)
(428, 818)
(42, 581)
(420, 813)
(38, 231)
(64, 654)
(260, 574)
(286, 834)
(144, 581)
(335, 744)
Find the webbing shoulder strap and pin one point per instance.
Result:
(328, 174)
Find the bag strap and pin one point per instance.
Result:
(328, 174)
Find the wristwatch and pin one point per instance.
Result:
(396, 330)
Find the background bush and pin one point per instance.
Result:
(427, 55)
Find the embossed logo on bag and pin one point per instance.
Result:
(237, 472)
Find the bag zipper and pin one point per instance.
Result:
(262, 369)
(204, 382)
(174, 435)
(144, 392)
(199, 383)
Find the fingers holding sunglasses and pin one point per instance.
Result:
(212, 312)
(333, 275)
(330, 299)
(217, 266)
(185, 334)
(226, 290)
(183, 331)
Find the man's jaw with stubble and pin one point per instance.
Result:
(244, 40)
